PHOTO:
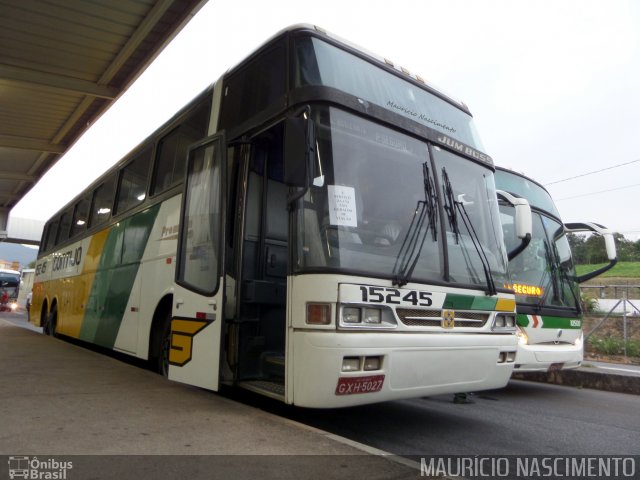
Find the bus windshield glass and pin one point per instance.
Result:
(10, 283)
(375, 186)
(537, 196)
(320, 63)
(544, 273)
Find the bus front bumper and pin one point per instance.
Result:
(410, 365)
(542, 358)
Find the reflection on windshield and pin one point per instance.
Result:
(472, 185)
(374, 195)
(543, 274)
(416, 235)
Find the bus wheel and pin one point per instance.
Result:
(162, 347)
(50, 324)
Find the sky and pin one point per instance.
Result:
(553, 85)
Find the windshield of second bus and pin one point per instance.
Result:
(544, 273)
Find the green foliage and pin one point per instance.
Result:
(591, 249)
(614, 346)
(607, 345)
(622, 269)
(589, 304)
(633, 348)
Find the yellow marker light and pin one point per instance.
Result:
(318, 313)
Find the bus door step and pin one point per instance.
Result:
(273, 364)
(270, 389)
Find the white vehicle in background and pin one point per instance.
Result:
(544, 279)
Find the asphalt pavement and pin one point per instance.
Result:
(59, 400)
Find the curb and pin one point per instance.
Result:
(586, 378)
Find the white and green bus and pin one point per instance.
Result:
(320, 226)
(544, 278)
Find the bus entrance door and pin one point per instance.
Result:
(262, 306)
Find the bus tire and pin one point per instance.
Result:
(161, 346)
(51, 323)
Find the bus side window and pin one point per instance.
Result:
(133, 182)
(81, 216)
(171, 153)
(64, 226)
(51, 234)
(43, 239)
(254, 87)
(102, 202)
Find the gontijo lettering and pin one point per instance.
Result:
(63, 260)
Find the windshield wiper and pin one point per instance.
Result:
(450, 205)
(454, 205)
(551, 272)
(413, 242)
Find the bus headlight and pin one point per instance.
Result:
(368, 316)
(505, 321)
(351, 315)
(523, 339)
(579, 341)
(14, 305)
(372, 315)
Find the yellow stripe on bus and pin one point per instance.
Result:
(78, 288)
(506, 305)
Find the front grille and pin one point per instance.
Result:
(433, 318)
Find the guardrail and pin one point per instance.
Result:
(631, 291)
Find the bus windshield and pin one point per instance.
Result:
(523, 187)
(375, 183)
(10, 283)
(544, 273)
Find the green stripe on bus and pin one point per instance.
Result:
(113, 282)
(455, 301)
(522, 320)
(549, 321)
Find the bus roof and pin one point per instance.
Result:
(378, 59)
(9, 271)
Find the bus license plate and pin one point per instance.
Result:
(353, 385)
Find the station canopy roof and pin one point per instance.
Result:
(62, 64)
